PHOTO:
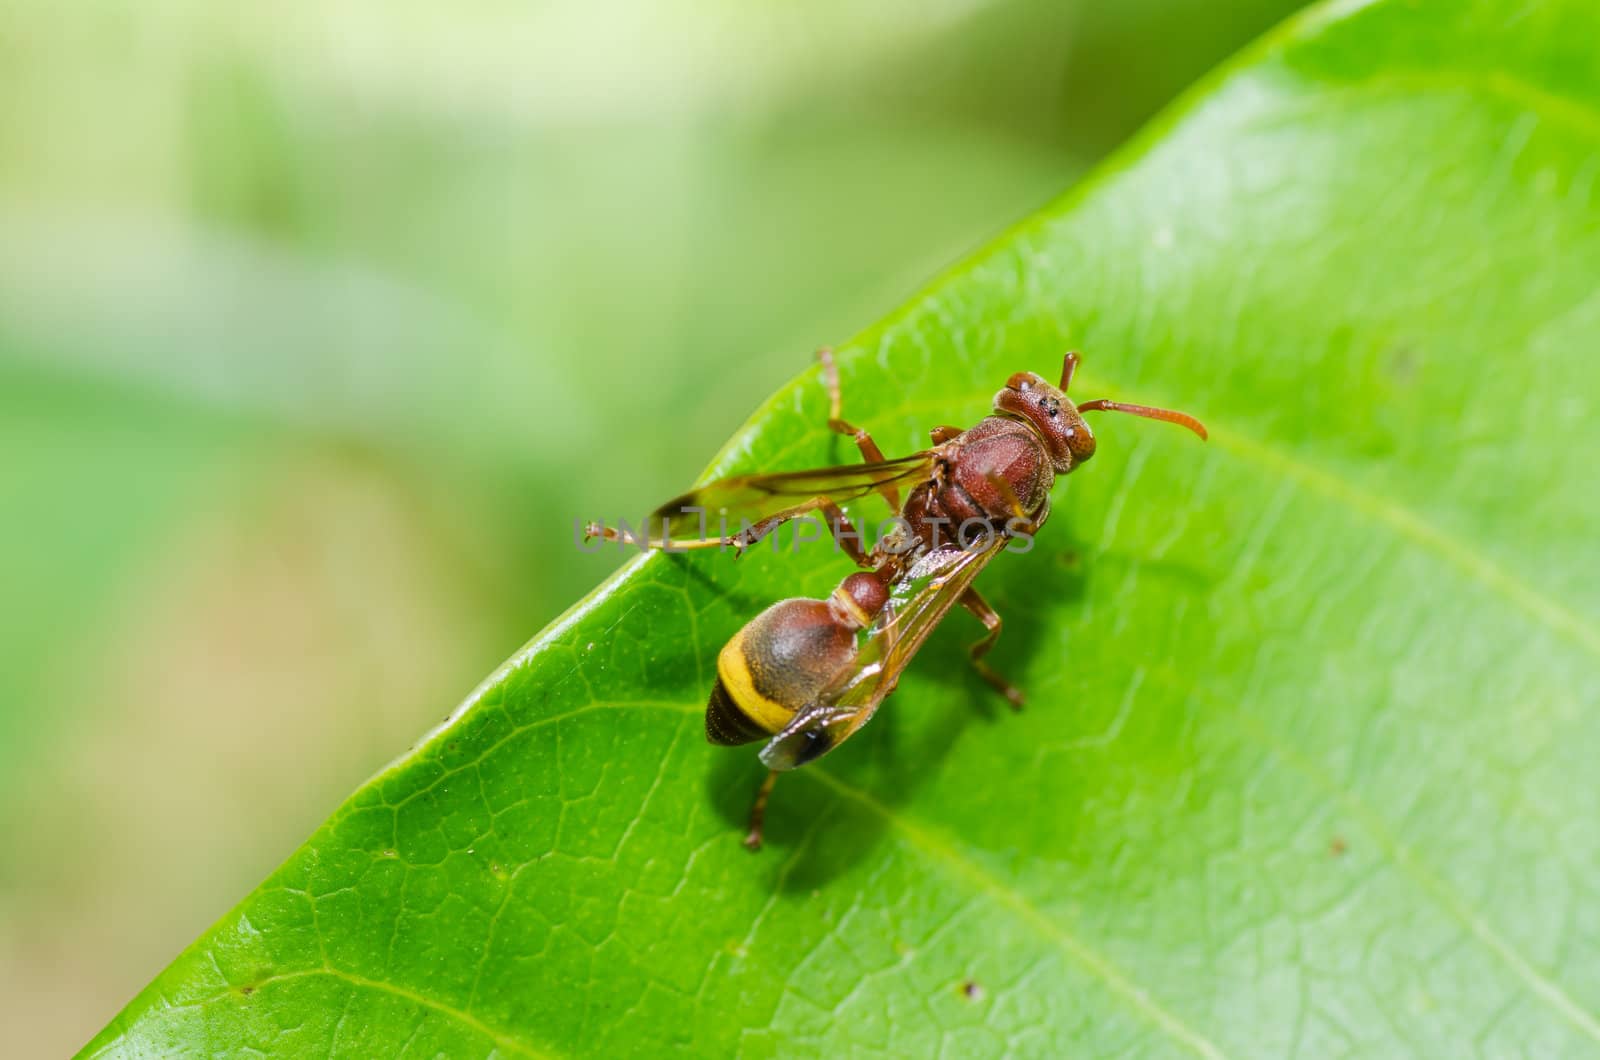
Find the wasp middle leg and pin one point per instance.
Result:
(975, 603)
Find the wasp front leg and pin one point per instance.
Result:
(975, 603)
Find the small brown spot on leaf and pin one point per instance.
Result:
(972, 990)
(1337, 846)
(247, 990)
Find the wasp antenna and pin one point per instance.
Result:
(1069, 365)
(1182, 419)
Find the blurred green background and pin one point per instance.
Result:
(321, 321)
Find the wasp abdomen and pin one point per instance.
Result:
(775, 665)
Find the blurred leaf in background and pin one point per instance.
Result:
(321, 322)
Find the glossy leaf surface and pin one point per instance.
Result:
(1308, 762)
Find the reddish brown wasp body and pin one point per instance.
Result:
(806, 674)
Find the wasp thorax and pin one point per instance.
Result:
(1055, 419)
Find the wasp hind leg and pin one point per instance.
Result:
(975, 603)
(758, 812)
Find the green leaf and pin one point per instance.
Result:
(1307, 766)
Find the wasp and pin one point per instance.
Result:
(804, 675)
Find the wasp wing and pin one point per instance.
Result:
(919, 600)
(726, 505)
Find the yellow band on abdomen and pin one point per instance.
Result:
(735, 674)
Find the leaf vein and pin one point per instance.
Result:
(466, 1019)
(937, 848)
